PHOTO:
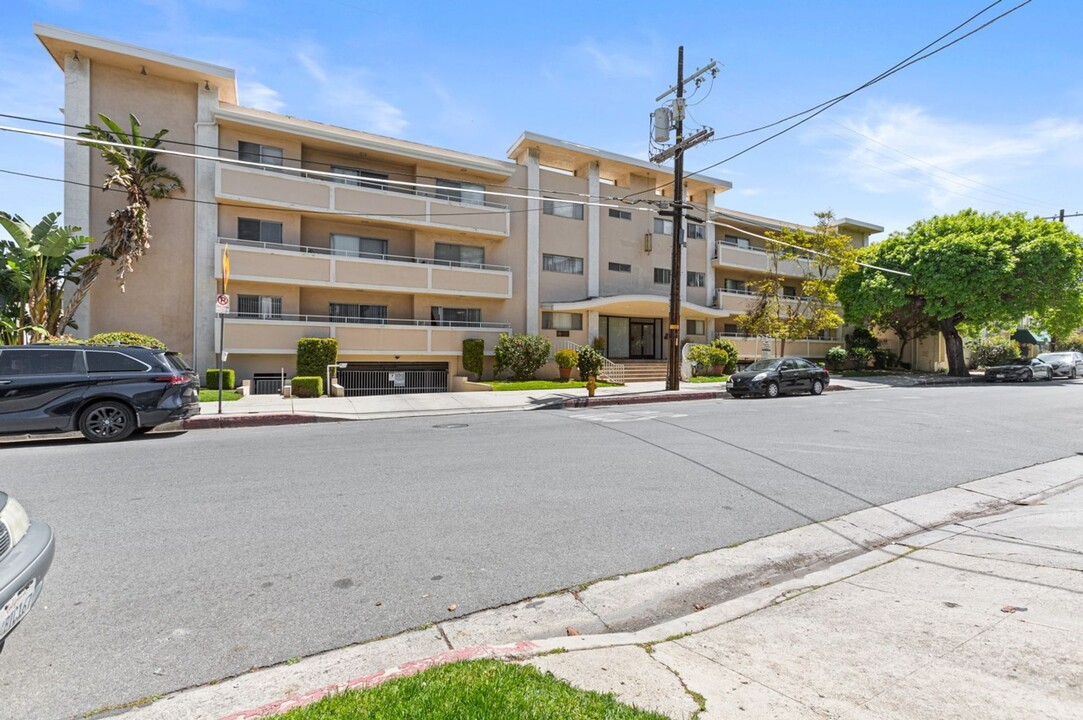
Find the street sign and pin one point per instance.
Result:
(225, 269)
(221, 305)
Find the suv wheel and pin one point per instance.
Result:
(107, 421)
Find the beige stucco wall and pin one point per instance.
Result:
(159, 293)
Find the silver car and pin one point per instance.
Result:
(1067, 364)
(26, 552)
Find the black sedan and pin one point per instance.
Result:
(1021, 370)
(778, 376)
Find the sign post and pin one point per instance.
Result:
(221, 307)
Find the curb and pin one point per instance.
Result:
(667, 397)
(201, 422)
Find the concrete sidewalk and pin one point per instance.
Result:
(963, 603)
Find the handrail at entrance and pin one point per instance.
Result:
(611, 371)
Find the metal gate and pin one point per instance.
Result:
(267, 385)
(392, 382)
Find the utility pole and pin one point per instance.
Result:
(676, 276)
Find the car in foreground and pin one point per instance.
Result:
(772, 377)
(1067, 364)
(106, 392)
(26, 553)
(1021, 370)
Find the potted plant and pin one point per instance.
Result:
(590, 364)
(566, 359)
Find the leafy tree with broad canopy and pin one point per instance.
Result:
(970, 270)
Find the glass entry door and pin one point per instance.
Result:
(641, 339)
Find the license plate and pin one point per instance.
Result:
(729, 383)
(16, 608)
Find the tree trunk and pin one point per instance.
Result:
(903, 340)
(953, 346)
(782, 350)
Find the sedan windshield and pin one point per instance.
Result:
(763, 365)
(1060, 357)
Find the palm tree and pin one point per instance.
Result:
(36, 266)
(138, 173)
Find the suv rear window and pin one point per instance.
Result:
(98, 361)
(40, 362)
(176, 362)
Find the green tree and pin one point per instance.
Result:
(973, 270)
(36, 267)
(821, 254)
(137, 172)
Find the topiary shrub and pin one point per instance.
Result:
(862, 339)
(598, 344)
(474, 356)
(306, 387)
(566, 359)
(836, 358)
(314, 355)
(521, 355)
(732, 354)
(590, 363)
(990, 351)
(229, 380)
(125, 337)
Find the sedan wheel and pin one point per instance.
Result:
(1072, 374)
(771, 389)
(107, 421)
(1027, 376)
(817, 387)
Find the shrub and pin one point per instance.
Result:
(836, 358)
(882, 358)
(314, 355)
(732, 354)
(993, 350)
(859, 358)
(306, 387)
(861, 338)
(474, 356)
(590, 362)
(125, 337)
(521, 355)
(229, 380)
(598, 343)
(566, 358)
(1072, 342)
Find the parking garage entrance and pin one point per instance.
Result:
(360, 378)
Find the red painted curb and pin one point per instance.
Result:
(522, 648)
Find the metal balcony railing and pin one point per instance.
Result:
(397, 322)
(354, 255)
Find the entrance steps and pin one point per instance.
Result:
(643, 370)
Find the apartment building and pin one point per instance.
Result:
(398, 250)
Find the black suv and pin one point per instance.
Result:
(107, 392)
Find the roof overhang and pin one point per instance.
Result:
(634, 306)
(61, 42)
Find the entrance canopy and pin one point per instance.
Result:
(634, 306)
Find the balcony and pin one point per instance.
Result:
(741, 301)
(405, 206)
(313, 266)
(751, 258)
(278, 335)
(753, 347)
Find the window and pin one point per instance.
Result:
(663, 226)
(562, 264)
(98, 361)
(662, 276)
(468, 255)
(696, 279)
(263, 307)
(736, 286)
(695, 231)
(256, 153)
(456, 316)
(351, 312)
(695, 327)
(259, 230)
(354, 246)
(562, 321)
(460, 192)
(620, 214)
(370, 179)
(40, 362)
(560, 208)
(731, 329)
(789, 291)
(737, 241)
(620, 267)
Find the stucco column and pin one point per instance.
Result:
(206, 232)
(533, 239)
(594, 237)
(592, 328)
(709, 278)
(77, 164)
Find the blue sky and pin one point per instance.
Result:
(994, 122)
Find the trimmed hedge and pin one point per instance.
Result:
(522, 355)
(314, 355)
(306, 387)
(125, 337)
(229, 380)
(474, 356)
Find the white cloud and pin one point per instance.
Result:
(257, 95)
(614, 62)
(314, 69)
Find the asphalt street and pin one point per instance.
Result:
(188, 557)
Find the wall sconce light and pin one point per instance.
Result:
(207, 85)
(143, 71)
(75, 57)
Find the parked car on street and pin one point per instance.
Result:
(1021, 370)
(106, 392)
(1067, 364)
(26, 552)
(772, 377)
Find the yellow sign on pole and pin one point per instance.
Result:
(225, 269)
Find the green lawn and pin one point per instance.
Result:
(708, 379)
(499, 385)
(472, 690)
(212, 395)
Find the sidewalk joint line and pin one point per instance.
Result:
(697, 698)
(440, 627)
